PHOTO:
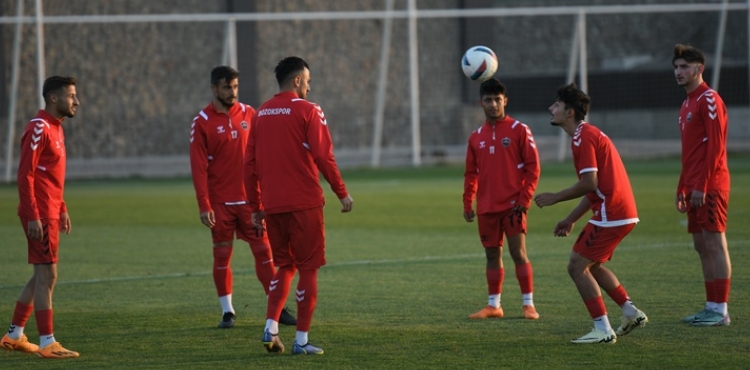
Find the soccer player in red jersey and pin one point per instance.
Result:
(41, 182)
(218, 139)
(502, 171)
(604, 188)
(289, 146)
(703, 188)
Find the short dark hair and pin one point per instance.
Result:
(55, 83)
(493, 86)
(575, 99)
(691, 54)
(288, 67)
(225, 73)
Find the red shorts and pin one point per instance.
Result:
(235, 218)
(712, 216)
(598, 243)
(492, 227)
(46, 250)
(298, 238)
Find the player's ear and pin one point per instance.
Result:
(701, 68)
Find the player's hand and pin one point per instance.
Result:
(563, 228)
(519, 209)
(35, 230)
(257, 219)
(697, 199)
(65, 225)
(208, 218)
(545, 199)
(680, 203)
(346, 203)
(469, 216)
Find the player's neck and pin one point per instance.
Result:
(220, 107)
(494, 121)
(55, 114)
(690, 87)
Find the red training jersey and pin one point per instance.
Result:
(41, 169)
(217, 150)
(502, 167)
(613, 202)
(288, 147)
(703, 127)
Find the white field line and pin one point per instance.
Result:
(337, 264)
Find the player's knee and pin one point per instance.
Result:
(222, 253)
(260, 250)
(575, 269)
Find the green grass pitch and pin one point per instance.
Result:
(404, 270)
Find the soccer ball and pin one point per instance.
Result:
(479, 63)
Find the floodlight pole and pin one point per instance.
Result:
(416, 148)
(562, 144)
(14, 93)
(385, 47)
(40, 50)
(229, 56)
(720, 44)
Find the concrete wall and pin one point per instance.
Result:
(141, 84)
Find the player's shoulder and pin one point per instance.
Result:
(709, 97)
(246, 109)
(202, 116)
(477, 132)
(520, 126)
(39, 125)
(305, 104)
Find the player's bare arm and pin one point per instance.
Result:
(565, 227)
(588, 183)
(65, 225)
(347, 203)
(208, 218)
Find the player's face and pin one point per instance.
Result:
(66, 101)
(686, 73)
(226, 92)
(558, 112)
(302, 83)
(494, 106)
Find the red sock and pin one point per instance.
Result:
(21, 314)
(264, 268)
(222, 270)
(495, 279)
(721, 290)
(44, 322)
(525, 277)
(307, 298)
(619, 295)
(278, 290)
(710, 291)
(596, 307)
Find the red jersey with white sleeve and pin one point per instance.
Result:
(217, 149)
(288, 147)
(703, 126)
(613, 202)
(502, 167)
(41, 169)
